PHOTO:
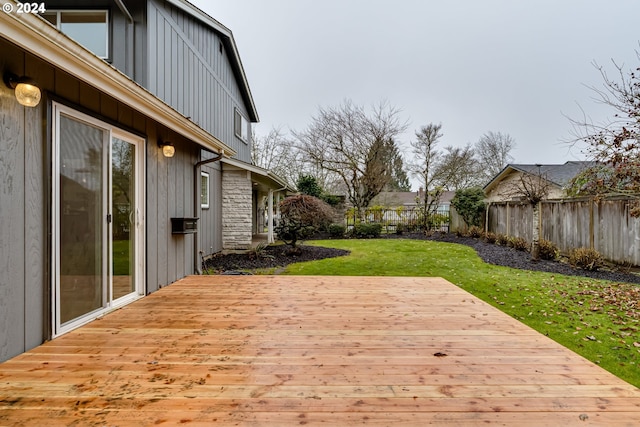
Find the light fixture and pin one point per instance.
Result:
(26, 90)
(168, 150)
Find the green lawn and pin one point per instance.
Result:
(597, 319)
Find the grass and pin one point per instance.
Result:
(120, 255)
(599, 320)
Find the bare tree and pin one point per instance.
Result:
(614, 146)
(493, 151)
(531, 188)
(424, 165)
(457, 168)
(350, 143)
(277, 153)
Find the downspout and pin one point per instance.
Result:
(124, 10)
(197, 208)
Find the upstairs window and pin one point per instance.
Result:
(241, 126)
(90, 28)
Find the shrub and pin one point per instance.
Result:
(502, 239)
(490, 237)
(259, 251)
(518, 243)
(401, 228)
(364, 231)
(469, 203)
(548, 250)
(586, 259)
(337, 230)
(300, 217)
(475, 231)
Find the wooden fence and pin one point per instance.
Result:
(603, 225)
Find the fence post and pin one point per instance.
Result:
(591, 225)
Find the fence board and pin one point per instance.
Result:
(604, 225)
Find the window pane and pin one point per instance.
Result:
(123, 199)
(204, 190)
(87, 28)
(81, 215)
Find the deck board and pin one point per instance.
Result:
(281, 350)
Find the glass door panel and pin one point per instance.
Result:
(125, 213)
(82, 213)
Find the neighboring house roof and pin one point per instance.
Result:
(557, 175)
(230, 46)
(407, 198)
(37, 36)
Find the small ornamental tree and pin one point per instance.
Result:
(469, 203)
(300, 217)
(307, 184)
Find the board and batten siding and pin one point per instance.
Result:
(210, 224)
(190, 70)
(25, 196)
(22, 212)
(170, 194)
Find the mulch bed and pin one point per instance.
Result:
(280, 256)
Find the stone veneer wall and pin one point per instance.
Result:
(236, 210)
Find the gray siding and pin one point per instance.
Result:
(22, 241)
(25, 193)
(169, 194)
(210, 225)
(193, 73)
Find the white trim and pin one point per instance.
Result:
(109, 303)
(204, 175)
(36, 35)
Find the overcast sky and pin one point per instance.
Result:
(516, 67)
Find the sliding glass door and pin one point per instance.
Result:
(98, 252)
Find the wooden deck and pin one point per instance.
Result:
(334, 351)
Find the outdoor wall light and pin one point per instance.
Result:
(168, 150)
(26, 90)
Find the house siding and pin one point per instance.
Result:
(183, 62)
(210, 224)
(22, 233)
(25, 196)
(193, 73)
(507, 189)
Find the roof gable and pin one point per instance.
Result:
(558, 175)
(230, 46)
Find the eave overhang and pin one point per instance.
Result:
(274, 181)
(41, 39)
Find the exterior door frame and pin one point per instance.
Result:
(139, 143)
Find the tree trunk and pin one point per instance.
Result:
(535, 244)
